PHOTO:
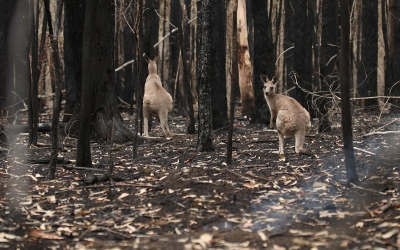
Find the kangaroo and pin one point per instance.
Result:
(291, 118)
(157, 101)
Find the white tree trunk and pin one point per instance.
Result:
(245, 66)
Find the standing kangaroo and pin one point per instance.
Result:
(291, 118)
(157, 101)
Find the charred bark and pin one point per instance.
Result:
(99, 91)
(184, 45)
(328, 58)
(351, 171)
(204, 77)
(369, 52)
(264, 58)
(218, 56)
(74, 17)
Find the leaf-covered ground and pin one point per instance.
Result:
(173, 197)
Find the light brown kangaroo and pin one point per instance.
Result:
(291, 118)
(157, 101)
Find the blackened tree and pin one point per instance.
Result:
(328, 58)
(6, 12)
(394, 14)
(204, 77)
(99, 92)
(218, 56)
(350, 164)
(263, 59)
(302, 50)
(74, 17)
(369, 52)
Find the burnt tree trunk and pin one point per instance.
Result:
(57, 88)
(234, 81)
(99, 92)
(74, 17)
(6, 13)
(264, 58)
(218, 57)
(395, 14)
(302, 52)
(350, 164)
(369, 52)
(33, 103)
(328, 58)
(184, 45)
(129, 52)
(204, 77)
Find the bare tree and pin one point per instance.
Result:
(58, 84)
(264, 58)
(6, 12)
(350, 164)
(328, 57)
(74, 17)
(234, 80)
(369, 52)
(33, 104)
(218, 70)
(245, 65)
(204, 77)
(184, 45)
(99, 98)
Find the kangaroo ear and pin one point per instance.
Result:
(264, 78)
(147, 58)
(156, 59)
(275, 79)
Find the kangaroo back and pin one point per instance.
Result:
(157, 101)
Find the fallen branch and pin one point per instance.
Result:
(382, 133)
(363, 150)
(390, 205)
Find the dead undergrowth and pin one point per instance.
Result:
(173, 197)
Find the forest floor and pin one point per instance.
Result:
(173, 197)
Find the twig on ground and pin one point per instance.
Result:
(382, 133)
(363, 150)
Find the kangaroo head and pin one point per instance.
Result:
(152, 65)
(269, 85)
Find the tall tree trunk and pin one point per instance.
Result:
(369, 52)
(18, 72)
(289, 45)
(264, 58)
(350, 164)
(99, 92)
(328, 59)
(184, 45)
(218, 71)
(234, 80)
(6, 12)
(356, 37)
(302, 52)
(204, 77)
(395, 85)
(74, 17)
(245, 66)
(381, 81)
(129, 52)
(33, 104)
(57, 93)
